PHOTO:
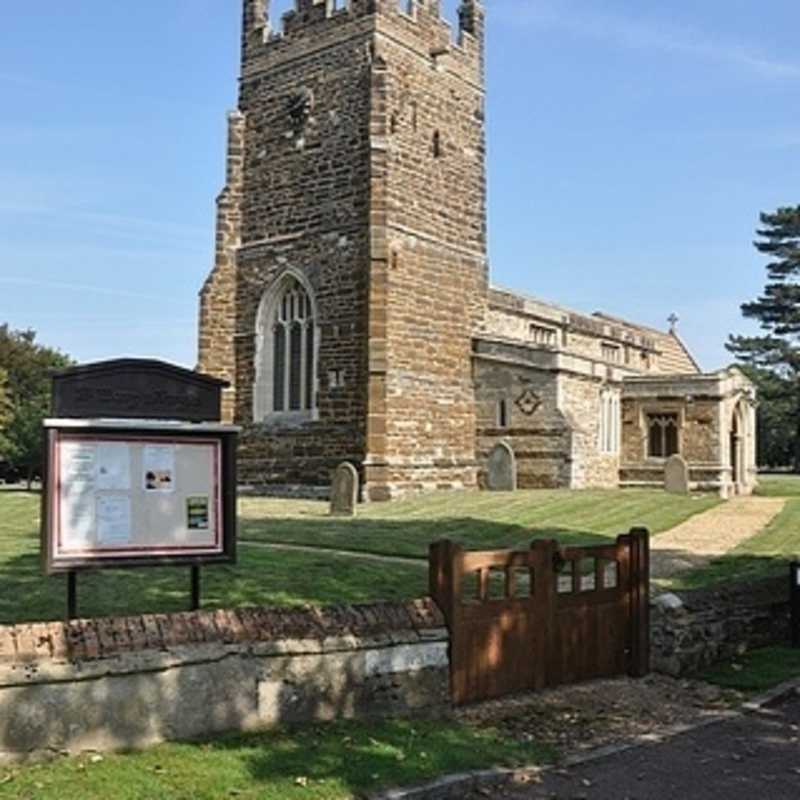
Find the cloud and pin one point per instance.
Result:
(648, 35)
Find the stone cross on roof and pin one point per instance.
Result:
(673, 322)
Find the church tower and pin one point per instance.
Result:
(351, 270)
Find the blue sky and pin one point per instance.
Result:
(631, 147)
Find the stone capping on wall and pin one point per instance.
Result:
(98, 639)
(690, 630)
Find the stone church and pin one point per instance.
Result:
(350, 305)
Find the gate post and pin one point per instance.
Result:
(639, 543)
(446, 568)
(443, 581)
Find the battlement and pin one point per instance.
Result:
(420, 23)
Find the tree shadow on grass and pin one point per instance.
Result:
(409, 538)
(359, 757)
(723, 571)
(262, 576)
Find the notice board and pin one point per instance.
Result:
(146, 496)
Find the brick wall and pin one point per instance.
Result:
(110, 684)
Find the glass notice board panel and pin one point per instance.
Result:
(116, 497)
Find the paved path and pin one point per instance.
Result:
(746, 758)
(711, 534)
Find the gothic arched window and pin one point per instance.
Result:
(286, 352)
(662, 435)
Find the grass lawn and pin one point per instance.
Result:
(332, 761)
(757, 670)
(262, 577)
(778, 486)
(273, 577)
(767, 553)
(479, 520)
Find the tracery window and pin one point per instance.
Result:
(286, 352)
(662, 435)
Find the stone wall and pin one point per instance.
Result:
(591, 468)
(557, 438)
(715, 413)
(299, 173)
(358, 164)
(694, 629)
(635, 349)
(428, 234)
(536, 429)
(218, 312)
(111, 684)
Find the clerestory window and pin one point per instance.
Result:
(286, 353)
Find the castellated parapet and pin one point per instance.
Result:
(266, 41)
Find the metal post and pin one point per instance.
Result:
(195, 588)
(794, 598)
(72, 595)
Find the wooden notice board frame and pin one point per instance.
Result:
(216, 443)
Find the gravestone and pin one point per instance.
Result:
(344, 491)
(501, 469)
(676, 475)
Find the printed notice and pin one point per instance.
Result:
(158, 462)
(113, 519)
(113, 467)
(76, 468)
(197, 513)
(77, 462)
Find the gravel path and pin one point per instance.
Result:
(711, 534)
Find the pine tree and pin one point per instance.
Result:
(777, 351)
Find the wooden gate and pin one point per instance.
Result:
(526, 620)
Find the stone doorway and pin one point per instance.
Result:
(737, 454)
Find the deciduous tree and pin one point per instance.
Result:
(27, 366)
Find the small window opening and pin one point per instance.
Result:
(539, 334)
(611, 352)
(437, 144)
